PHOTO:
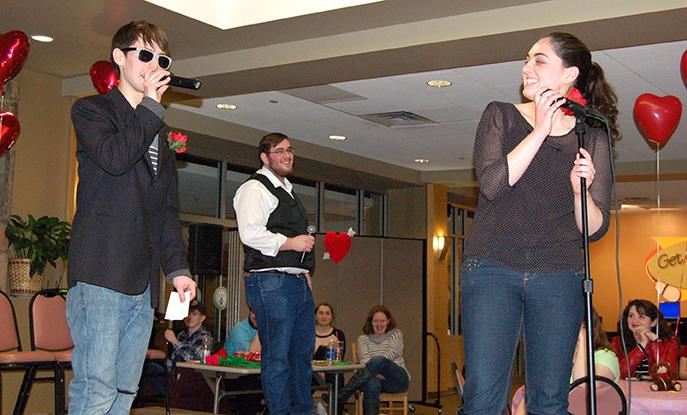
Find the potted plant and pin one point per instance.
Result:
(36, 243)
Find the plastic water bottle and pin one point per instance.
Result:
(331, 352)
(205, 351)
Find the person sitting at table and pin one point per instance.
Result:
(325, 332)
(380, 349)
(683, 362)
(189, 343)
(644, 344)
(605, 360)
(243, 337)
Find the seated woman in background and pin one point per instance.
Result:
(380, 349)
(325, 332)
(641, 318)
(605, 360)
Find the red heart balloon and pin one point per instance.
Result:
(337, 245)
(104, 76)
(657, 117)
(14, 48)
(9, 131)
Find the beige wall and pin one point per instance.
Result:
(637, 232)
(40, 188)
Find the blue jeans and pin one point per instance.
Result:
(497, 303)
(285, 314)
(110, 331)
(395, 381)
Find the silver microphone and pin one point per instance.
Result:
(311, 229)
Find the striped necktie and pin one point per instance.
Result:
(153, 151)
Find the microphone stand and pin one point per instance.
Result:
(587, 284)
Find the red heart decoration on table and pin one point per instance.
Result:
(337, 245)
(9, 131)
(683, 67)
(14, 48)
(657, 117)
(103, 76)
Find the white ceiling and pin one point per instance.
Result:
(380, 51)
(456, 110)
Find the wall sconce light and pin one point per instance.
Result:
(440, 244)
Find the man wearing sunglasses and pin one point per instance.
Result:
(126, 225)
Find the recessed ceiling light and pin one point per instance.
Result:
(421, 161)
(227, 107)
(439, 83)
(42, 38)
(337, 137)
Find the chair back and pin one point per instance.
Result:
(8, 325)
(610, 399)
(458, 378)
(354, 352)
(48, 320)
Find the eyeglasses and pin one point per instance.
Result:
(146, 55)
(282, 151)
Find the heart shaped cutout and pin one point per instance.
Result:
(657, 117)
(337, 245)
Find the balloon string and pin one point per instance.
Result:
(658, 239)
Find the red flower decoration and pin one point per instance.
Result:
(576, 96)
(212, 360)
(222, 352)
(177, 142)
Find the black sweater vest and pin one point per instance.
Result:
(289, 219)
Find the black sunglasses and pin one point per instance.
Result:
(146, 55)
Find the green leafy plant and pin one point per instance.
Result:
(43, 240)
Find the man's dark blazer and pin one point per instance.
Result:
(127, 218)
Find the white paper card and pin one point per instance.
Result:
(176, 310)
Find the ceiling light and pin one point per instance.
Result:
(42, 38)
(337, 137)
(227, 107)
(439, 83)
(421, 161)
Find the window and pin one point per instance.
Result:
(372, 214)
(234, 180)
(307, 193)
(340, 209)
(199, 184)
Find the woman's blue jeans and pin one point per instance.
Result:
(395, 381)
(497, 304)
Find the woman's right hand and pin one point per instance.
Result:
(546, 102)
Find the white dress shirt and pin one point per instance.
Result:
(254, 204)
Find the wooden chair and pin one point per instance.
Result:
(390, 403)
(12, 357)
(49, 334)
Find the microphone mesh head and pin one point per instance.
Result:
(311, 229)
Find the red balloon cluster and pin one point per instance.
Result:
(14, 49)
(103, 76)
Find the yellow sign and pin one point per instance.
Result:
(667, 266)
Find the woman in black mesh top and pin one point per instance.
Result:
(523, 261)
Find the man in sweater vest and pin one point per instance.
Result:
(273, 226)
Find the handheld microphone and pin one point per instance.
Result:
(311, 229)
(187, 83)
(582, 111)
